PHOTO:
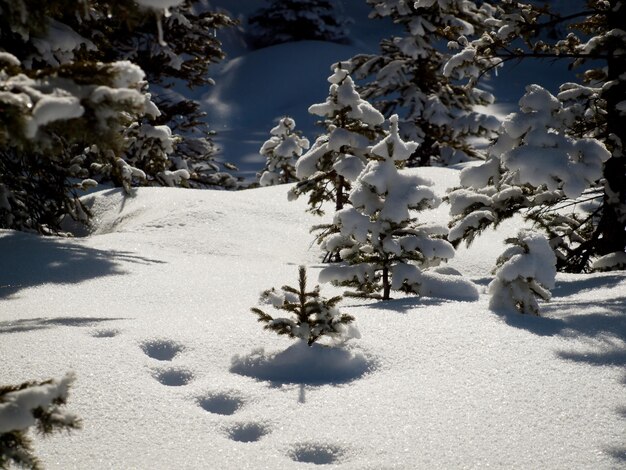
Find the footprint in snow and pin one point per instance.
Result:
(173, 376)
(221, 403)
(316, 453)
(110, 333)
(161, 349)
(247, 432)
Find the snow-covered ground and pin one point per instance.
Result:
(254, 89)
(151, 311)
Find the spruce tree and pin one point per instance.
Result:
(312, 316)
(173, 50)
(406, 78)
(284, 21)
(389, 245)
(73, 113)
(35, 405)
(584, 142)
(524, 273)
(281, 150)
(338, 156)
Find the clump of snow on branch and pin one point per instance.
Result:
(525, 272)
(281, 149)
(17, 408)
(27, 406)
(536, 147)
(610, 262)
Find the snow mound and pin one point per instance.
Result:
(302, 364)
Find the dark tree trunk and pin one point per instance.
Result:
(611, 230)
(341, 185)
(386, 283)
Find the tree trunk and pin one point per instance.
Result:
(611, 229)
(386, 284)
(341, 184)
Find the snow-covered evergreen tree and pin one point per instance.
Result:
(338, 156)
(36, 405)
(390, 245)
(312, 316)
(579, 133)
(173, 50)
(406, 78)
(296, 20)
(524, 273)
(73, 114)
(535, 163)
(281, 150)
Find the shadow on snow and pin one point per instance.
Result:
(600, 323)
(30, 260)
(301, 364)
(33, 324)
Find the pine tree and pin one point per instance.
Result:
(338, 156)
(72, 113)
(313, 316)
(173, 49)
(32, 404)
(296, 20)
(524, 273)
(390, 246)
(406, 78)
(281, 150)
(588, 120)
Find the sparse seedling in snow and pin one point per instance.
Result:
(524, 273)
(313, 315)
(32, 404)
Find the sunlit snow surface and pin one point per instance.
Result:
(151, 311)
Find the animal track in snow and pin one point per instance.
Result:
(221, 403)
(316, 453)
(110, 333)
(173, 377)
(161, 349)
(247, 432)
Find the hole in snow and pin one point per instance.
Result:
(105, 333)
(173, 377)
(247, 432)
(220, 403)
(161, 349)
(318, 454)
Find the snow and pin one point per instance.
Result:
(16, 409)
(159, 4)
(52, 108)
(151, 313)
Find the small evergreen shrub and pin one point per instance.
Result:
(312, 316)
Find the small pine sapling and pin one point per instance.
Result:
(32, 404)
(281, 150)
(314, 315)
(524, 272)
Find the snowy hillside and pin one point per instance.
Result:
(151, 311)
(254, 89)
